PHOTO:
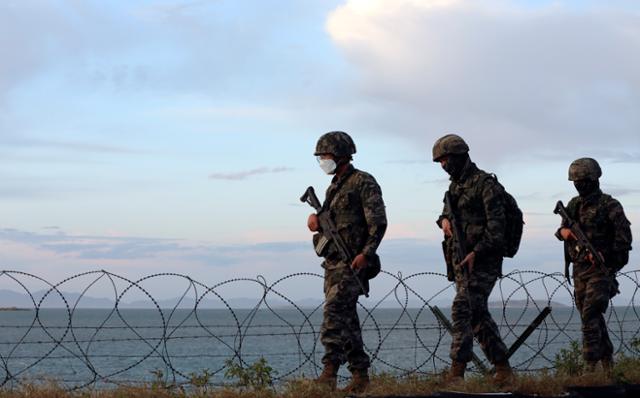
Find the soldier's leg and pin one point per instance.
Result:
(484, 327)
(596, 342)
(354, 347)
(579, 295)
(607, 346)
(462, 338)
(606, 355)
(333, 322)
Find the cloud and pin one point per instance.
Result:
(242, 175)
(509, 77)
(66, 145)
(35, 36)
(612, 156)
(617, 190)
(408, 162)
(618, 156)
(132, 257)
(90, 247)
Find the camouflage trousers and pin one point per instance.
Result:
(592, 296)
(471, 318)
(340, 333)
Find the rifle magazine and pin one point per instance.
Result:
(320, 245)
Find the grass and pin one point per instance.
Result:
(257, 383)
(541, 383)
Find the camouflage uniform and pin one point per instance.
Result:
(604, 223)
(354, 200)
(478, 199)
(359, 214)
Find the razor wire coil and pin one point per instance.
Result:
(117, 345)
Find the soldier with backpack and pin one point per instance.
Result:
(600, 222)
(481, 223)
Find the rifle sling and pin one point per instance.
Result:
(332, 192)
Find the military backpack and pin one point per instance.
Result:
(514, 221)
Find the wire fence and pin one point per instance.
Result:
(135, 337)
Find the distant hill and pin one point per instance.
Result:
(13, 299)
(10, 298)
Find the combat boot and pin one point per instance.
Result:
(590, 366)
(504, 373)
(359, 382)
(329, 376)
(607, 365)
(456, 372)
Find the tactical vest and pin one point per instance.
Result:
(594, 222)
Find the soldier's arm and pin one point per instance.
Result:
(375, 215)
(445, 214)
(619, 256)
(571, 211)
(493, 237)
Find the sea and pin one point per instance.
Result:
(104, 347)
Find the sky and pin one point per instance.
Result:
(144, 137)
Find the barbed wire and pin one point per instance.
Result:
(55, 337)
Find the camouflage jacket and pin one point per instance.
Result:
(479, 203)
(603, 221)
(358, 211)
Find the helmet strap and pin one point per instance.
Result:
(340, 163)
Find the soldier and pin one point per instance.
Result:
(478, 201)
(355, 201)
(602, 219)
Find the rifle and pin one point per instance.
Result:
(456, 231)
(457, 239)
(582, 241)
(330, 234)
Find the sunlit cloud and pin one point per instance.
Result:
(509, 77)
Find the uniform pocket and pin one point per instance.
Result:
(474, 234)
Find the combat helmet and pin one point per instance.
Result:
(337, 143)
(450, 144)
(584, 168)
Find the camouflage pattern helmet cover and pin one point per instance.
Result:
(450, 144)
(584, 168)
(337, 143)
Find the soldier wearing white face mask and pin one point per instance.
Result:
(354, 200)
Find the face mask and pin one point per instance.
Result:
(328, 165)
(586, 187)
(455, 165)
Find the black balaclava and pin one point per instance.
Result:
(586, 187)
(455, 164)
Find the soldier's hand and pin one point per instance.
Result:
(312, 222)
(469, 261)
(567, 234)
(592, 258)
(359, 262)
(446, 227)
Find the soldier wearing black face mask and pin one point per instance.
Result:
(479, 207)
(604, 223)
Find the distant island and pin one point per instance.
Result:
(13, 309)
